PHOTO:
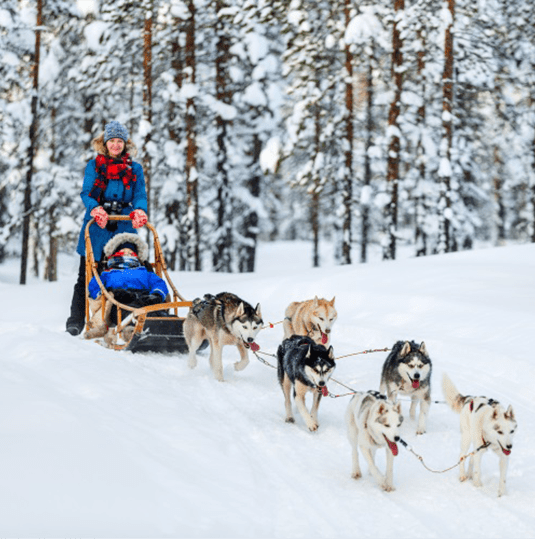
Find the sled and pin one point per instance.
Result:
(151, 332)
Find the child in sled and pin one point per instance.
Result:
(127, 280)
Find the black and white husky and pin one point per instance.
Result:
(373, 422)
(407, 370)
(485, 424)
(223, 319)
(304, 366)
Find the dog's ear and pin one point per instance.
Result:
(308, 351)
(495, 414)
(315, 303)
(405, 350)
(332, 301)
(397, 408)
(331, 352)
(258, 311)
(240, 310)
(423, 349)
(382, 409)
(509, 414)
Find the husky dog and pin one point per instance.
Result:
(407, 370)
(304, 366)
(373, 422)
(313, 318)
(486, 424)
(223, 319)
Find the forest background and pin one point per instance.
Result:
(376, 125)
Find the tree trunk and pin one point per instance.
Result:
(192, 195)
(222, 258)
(445, 240)
(498, 197)
(147, 96)
(51, 267)
(347, 194)
(392, 174)
(420, 235)
(31, 150)
(315, 201)
(532, 100)
(172, 208)
(365, 211)
(250, 222)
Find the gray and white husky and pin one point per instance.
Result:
(303, 365)
(485, 424)
(373, 422)
(407, 370)
(223, 319)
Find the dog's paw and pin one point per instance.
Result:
(313, 426)
(463, 478)
(110, 338)
(387, 487)
(290, 420)
(127, 333)
(421, 431)
(192, 362)
(95, 332)
(356, 475)
(240, 365)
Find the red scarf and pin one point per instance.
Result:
(108, 169)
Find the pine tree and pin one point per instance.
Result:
(15, 85)
(32, 146)
(193, 254)
(222, 252)
(394, 136)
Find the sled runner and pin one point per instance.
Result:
(154, 328)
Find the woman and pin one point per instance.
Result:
(113, 185)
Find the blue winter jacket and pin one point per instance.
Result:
(136, 197)
(133, 279)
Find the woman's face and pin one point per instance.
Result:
(115, 146)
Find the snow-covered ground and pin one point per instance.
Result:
(98, 443)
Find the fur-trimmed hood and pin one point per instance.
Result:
(127, 237)
(100, 147)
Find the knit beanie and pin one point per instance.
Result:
(115, 130)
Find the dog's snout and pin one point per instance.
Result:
(509, 447)
(321, 383)
(327, 331)
(396, 438)
(416, 375)
(250, 339)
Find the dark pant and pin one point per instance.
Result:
(77, 316)
(133, 298)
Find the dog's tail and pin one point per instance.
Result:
(454, 399)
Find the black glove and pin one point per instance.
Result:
(124, 296)
(153, 299)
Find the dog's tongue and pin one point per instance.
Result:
(254, 347)
(506, 452)
(324, 338)
(325, 391)
(416, 384)
(393, 446)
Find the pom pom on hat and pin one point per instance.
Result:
(115, 130)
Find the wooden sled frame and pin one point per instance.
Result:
(172, 338)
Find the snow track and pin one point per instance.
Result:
(101, 443)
